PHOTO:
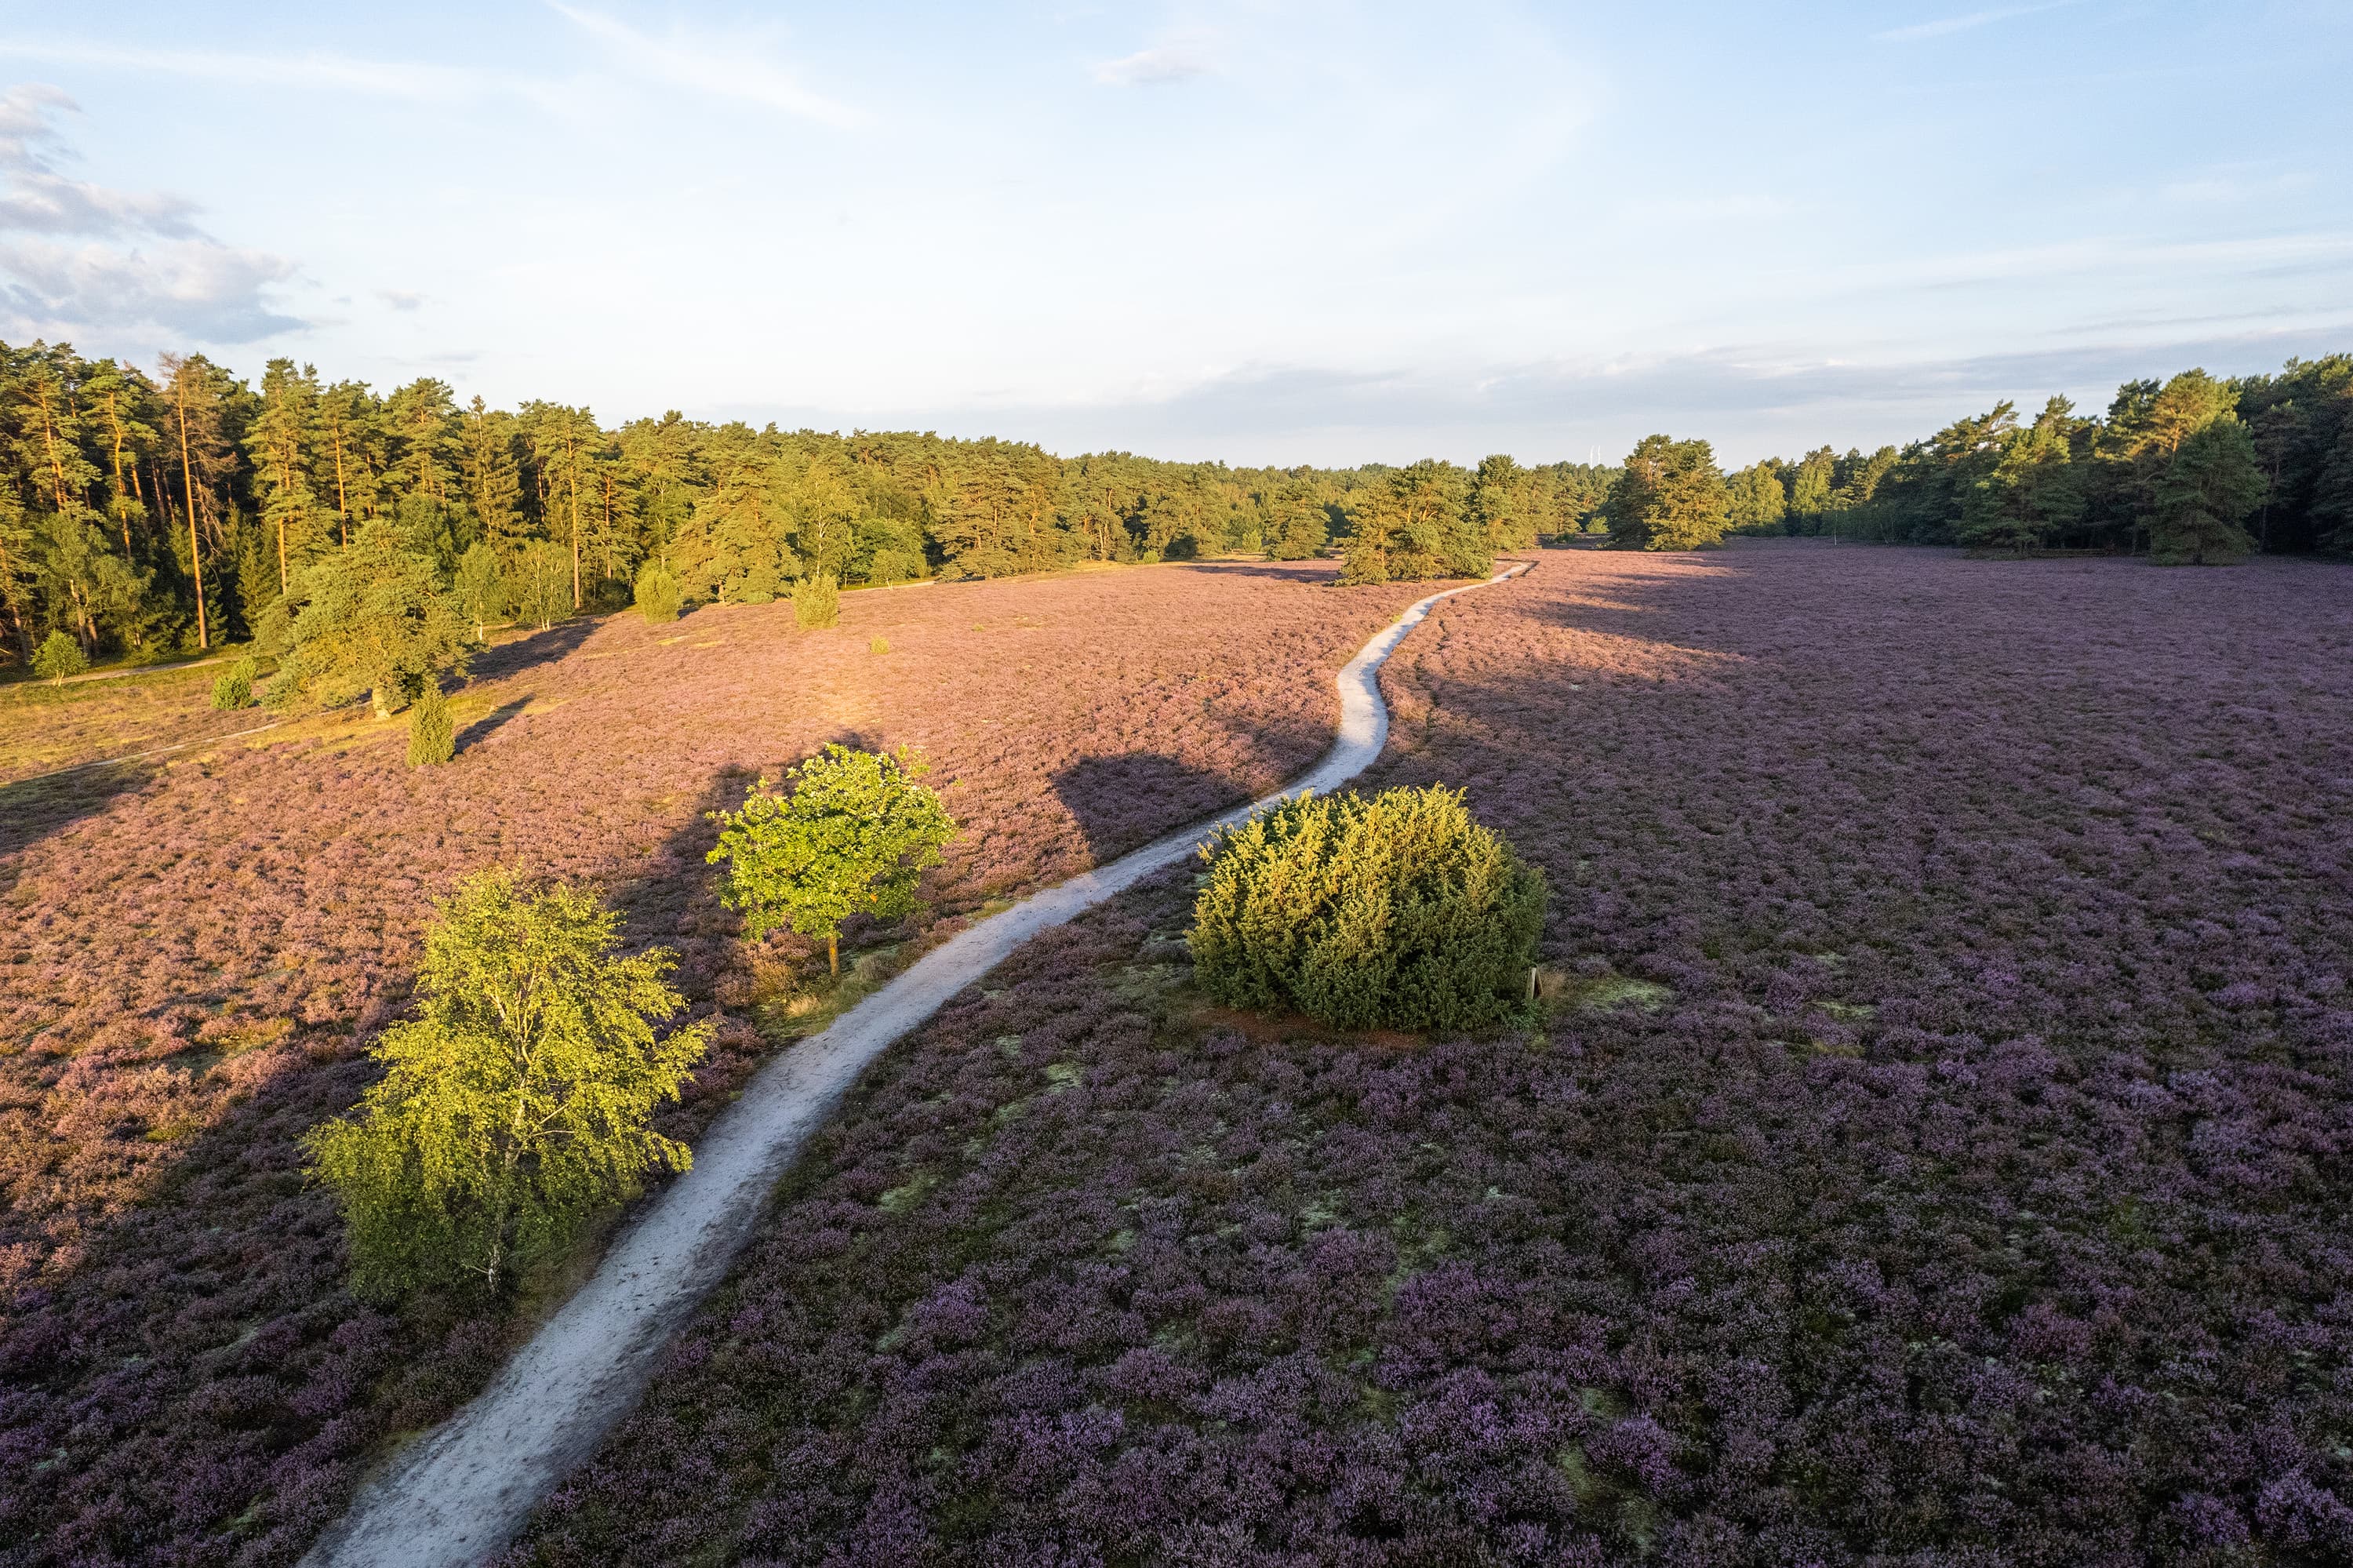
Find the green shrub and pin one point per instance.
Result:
(58, 656)
(432, 735)
(658, 593)
(817, 601)
(1394, 909)
(878, 645)
(235, 690)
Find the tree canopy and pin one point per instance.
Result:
(518, 1102)
(852, 837)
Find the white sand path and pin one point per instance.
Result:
(459, 1495)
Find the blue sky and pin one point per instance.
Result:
(1261, 232)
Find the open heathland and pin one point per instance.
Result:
(1933, 1150)
(202, 947)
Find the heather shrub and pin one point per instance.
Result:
(518, 1102)
(658, 593)
(235, 689)
(58, 656)
(817, 601)
(852, 838)
(1396, 908)
(432, 735)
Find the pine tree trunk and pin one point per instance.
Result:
(833, 953)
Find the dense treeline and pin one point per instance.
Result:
(2194, 469)
(143, 514)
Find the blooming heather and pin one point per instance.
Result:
(202, 951)
(1937, 1156)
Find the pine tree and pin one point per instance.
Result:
(370, 620)
(281, 444)
(2204, 495)
(493, 481)
(1671, 497)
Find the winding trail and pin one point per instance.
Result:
(461, 1494)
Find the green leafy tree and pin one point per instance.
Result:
(657, 593)
(1298, 524)
(432, 733)
(60, 655)
(816, 602)
(368, 621)
(2204, 495)
(518, 1102)
(540, 588)
(480, 592)
(1758, 500)
(1671, 496)
(853, 837)
(1398, 908)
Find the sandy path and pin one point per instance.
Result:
(459, 1495)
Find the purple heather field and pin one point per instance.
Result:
(197, 950)
(1936, 1153)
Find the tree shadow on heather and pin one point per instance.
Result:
(1281, 571)
(490, 724)
(33, 809)
(542, 647)
(1125, 801)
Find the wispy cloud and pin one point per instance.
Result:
(99, 258)
(1962, 24)
(318, 69)
(731, 67)
(400, 299)
(1170, 60)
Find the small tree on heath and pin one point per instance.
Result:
(517, 1103)
(2205, 494)
(852, 838)
(58, 656)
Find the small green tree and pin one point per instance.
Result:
(1398, 908)
(59, 656)
(658, 593)
(481, 596)
(852, 838)
(541, 586)
(816, 602)
(369, 619)
(432, 734)
(1671, 496)
(235, 690)
(2204, 494)
(517, 1103)
(1415, 524)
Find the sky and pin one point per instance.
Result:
(1259, 232)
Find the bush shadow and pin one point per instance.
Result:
(490, 724)
(1124, 802)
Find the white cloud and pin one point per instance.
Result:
(1170, 60)
(400, 299)
(732, 67)
(140, 263)
(195, 289)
